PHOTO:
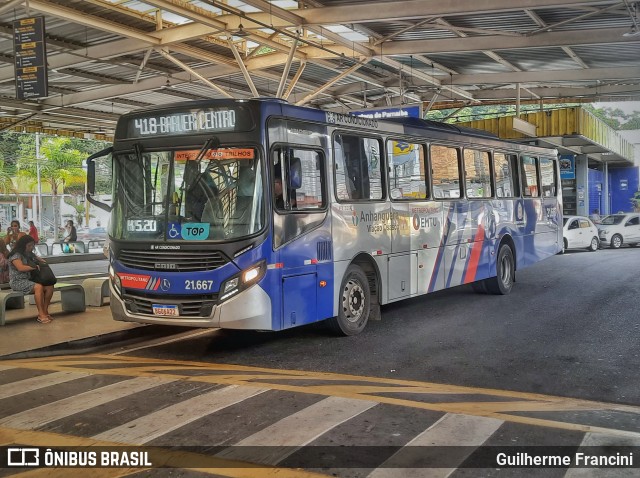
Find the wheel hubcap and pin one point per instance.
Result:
(506, 271)
(353, 300)
(616, 241)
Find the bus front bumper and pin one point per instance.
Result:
(250, 310)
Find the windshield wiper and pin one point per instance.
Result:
(211, 143)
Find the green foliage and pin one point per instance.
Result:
(616, 118)
(472, 113)
(80, 210)
(635, 200)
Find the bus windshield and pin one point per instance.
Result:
(188, 195)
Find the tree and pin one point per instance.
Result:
(60, 166)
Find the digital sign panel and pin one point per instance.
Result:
(199, 121)
(30, 58)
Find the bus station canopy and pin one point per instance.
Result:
(107, 57)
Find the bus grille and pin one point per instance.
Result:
(172, 261)
(188, 305)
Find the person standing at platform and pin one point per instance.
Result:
(33, 232)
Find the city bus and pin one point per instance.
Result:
(258, 214)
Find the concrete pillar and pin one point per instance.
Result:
(582, 185)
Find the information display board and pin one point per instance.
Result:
(30, 51)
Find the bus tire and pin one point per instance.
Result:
(354, 302)
(479, 287)
(505, 272)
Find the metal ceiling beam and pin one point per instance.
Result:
(560, 93)
(469, 44)
(331, 82)
(69, 14)
(546, 76)
(406, 10)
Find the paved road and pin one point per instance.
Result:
(553, 364)
(570, 328)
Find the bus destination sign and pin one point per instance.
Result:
(190, 122)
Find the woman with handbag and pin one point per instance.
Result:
(22, 262)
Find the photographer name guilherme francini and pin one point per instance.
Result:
(577, 459)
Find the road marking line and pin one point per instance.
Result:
(39, 416)
(295, 431)
(34, 383)
(596, 439)
(450, 430)
(151, 426)
(183, 336)
(243, 376)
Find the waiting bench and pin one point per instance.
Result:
(95, 290)
(77, 246)
(71, 295)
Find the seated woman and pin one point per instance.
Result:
(22, 261)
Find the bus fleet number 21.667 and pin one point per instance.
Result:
(198, 284)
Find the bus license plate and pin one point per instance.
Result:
(162, 309)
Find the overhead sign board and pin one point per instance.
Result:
(408, 111)
(30, 54)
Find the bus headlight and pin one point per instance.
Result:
(242, 281)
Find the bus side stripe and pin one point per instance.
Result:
(476, 251)
(439, 258)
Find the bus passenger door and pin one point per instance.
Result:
(302, 233)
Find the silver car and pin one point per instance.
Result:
(617, 229)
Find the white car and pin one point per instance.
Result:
(618, 229)
(579, 233)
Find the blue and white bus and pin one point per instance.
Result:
(257, 214)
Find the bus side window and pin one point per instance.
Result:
(445, 171)
(548, 177)
(529, 177)
(358, 168)
(506, 175)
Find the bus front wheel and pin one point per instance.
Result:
(354, 302)
(505, 273)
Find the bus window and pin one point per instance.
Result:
(302, 182)
(406, 170)
(530, 177)
(548, 177)
(445, 172)
(357, 168)
(477, 174)
(506, 173)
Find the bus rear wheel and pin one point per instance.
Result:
(354, 302)
(505, 273)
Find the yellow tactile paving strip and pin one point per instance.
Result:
(491, 403)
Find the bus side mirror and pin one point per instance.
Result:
(91, 178)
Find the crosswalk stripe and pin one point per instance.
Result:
(296, 430)
(35, 383)
(39, 416)
(156, 424)
(599, 439)
(451, 430)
